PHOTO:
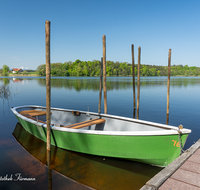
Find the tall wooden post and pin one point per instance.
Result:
(133, 68)
(104, 74)
(168, 85)
(48, 84)
(100, 85)
(138, 82)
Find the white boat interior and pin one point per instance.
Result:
(89, 121)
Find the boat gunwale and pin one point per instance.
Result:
(167, 129)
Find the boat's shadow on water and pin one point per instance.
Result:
(94, 171)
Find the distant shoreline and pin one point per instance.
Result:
(21, 75)
(35, 75)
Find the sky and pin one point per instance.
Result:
(77, 28)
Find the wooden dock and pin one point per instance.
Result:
(182, 174)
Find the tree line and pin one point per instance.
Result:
(92, 68)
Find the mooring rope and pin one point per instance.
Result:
(179, 137)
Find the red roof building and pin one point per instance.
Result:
(14, 70)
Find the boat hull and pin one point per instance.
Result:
(158, 150)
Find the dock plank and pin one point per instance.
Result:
(197, 152)
(191, 166)
(195, 158)
(177, 185)
(187, 177)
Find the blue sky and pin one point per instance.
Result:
(77, 28)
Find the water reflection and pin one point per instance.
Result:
(5, 93)
(113, 83)
(116, 83)
(18, 80)
(93, 171)
(6, 81)
(49, 170)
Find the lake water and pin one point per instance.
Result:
(24, 156)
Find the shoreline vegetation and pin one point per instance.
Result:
(92, 68)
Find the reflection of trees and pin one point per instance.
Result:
(117, 83)
(85, 83)
(6, 81)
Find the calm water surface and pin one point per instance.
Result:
(21, 154)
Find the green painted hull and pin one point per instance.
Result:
(159, 150)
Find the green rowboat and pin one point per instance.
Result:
(105, 135)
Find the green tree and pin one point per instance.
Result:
(41, 69)
(145, 71)
(24, 73)
(153, 71)
(5, 70)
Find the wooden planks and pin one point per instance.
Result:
(33, 112)
(85, 123)
(30, 117)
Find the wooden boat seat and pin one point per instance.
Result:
(85, 123)
(33, 112)
(30, 117)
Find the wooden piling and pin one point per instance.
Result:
(168, 85)
(133, 68)
(138, 82)
(48, 84)
(100, 85)
(104, 74)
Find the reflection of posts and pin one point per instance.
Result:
(48, 84)
(100, 86)
(49, 170)
(133, 68)
(138, 82)
(168, 85)
(104, 74)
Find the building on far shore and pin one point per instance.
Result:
(14, 70)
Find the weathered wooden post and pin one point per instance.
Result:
(168, 85)
(100, 86)
(104, 74)
(48, 84)
(138, 82)
(133, 68)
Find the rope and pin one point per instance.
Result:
(179, 137)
